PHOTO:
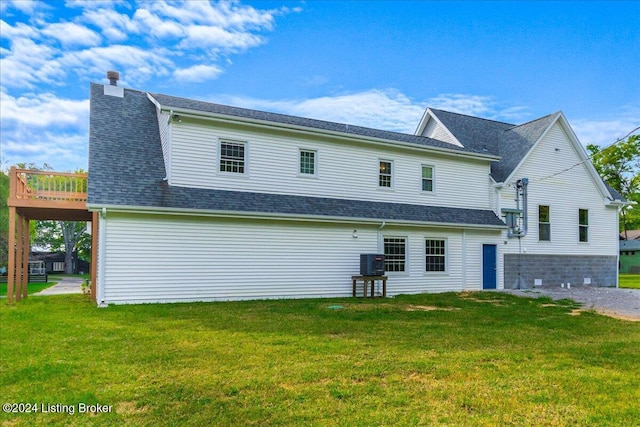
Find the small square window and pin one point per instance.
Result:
(386, 174)
(427, 178)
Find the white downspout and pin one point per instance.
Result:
(380, 245)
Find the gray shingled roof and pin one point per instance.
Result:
(126, 168)
(175, 103)
(508, 141)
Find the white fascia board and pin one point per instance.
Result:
(315, 131)
(284, 217)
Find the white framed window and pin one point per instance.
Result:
(395, 254)
(583, 225)
(435, 255)
(308, 162)
(58, 266)
(428, 178)
(232, 156)
(544, 223)
(385, 177)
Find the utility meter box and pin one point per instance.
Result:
(372, 265)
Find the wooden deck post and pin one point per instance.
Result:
(94, 255)
(19, 258)
(25, 250)
(11, 273)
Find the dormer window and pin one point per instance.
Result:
(385, 179)
(232, 156)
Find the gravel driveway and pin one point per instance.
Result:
(615, 302)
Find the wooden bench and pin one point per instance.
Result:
(369, 281)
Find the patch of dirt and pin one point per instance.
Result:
(429, 308)
(130, 408)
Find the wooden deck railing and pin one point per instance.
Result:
(46, 186)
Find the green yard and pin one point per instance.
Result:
(474, 359)
(629, 281)
(32, 287)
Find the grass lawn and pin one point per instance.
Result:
(32, 287)
(629, 281)
(470, 359)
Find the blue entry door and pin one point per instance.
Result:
(489, 273)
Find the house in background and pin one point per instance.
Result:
(630, 235)
(630, 256)
(211, 202)
(54, 262)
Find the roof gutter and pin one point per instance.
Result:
(286, 217)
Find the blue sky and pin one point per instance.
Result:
(376, 64)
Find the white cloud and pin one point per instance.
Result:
(115, 26)
(28, 63)
(380, 109)
(155, 26)
(42, 110)
(197, 73)
(137, 64)
(92, 39)
(71, 34)
(63, 151)
(218, 39)
(608, 130)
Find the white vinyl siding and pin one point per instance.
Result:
(565, 193)
(434, 130)
(163, 258)
(273, 165)
(165, 139)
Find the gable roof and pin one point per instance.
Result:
(512, 143)
(126, 172)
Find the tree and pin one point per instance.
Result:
(619, 166)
